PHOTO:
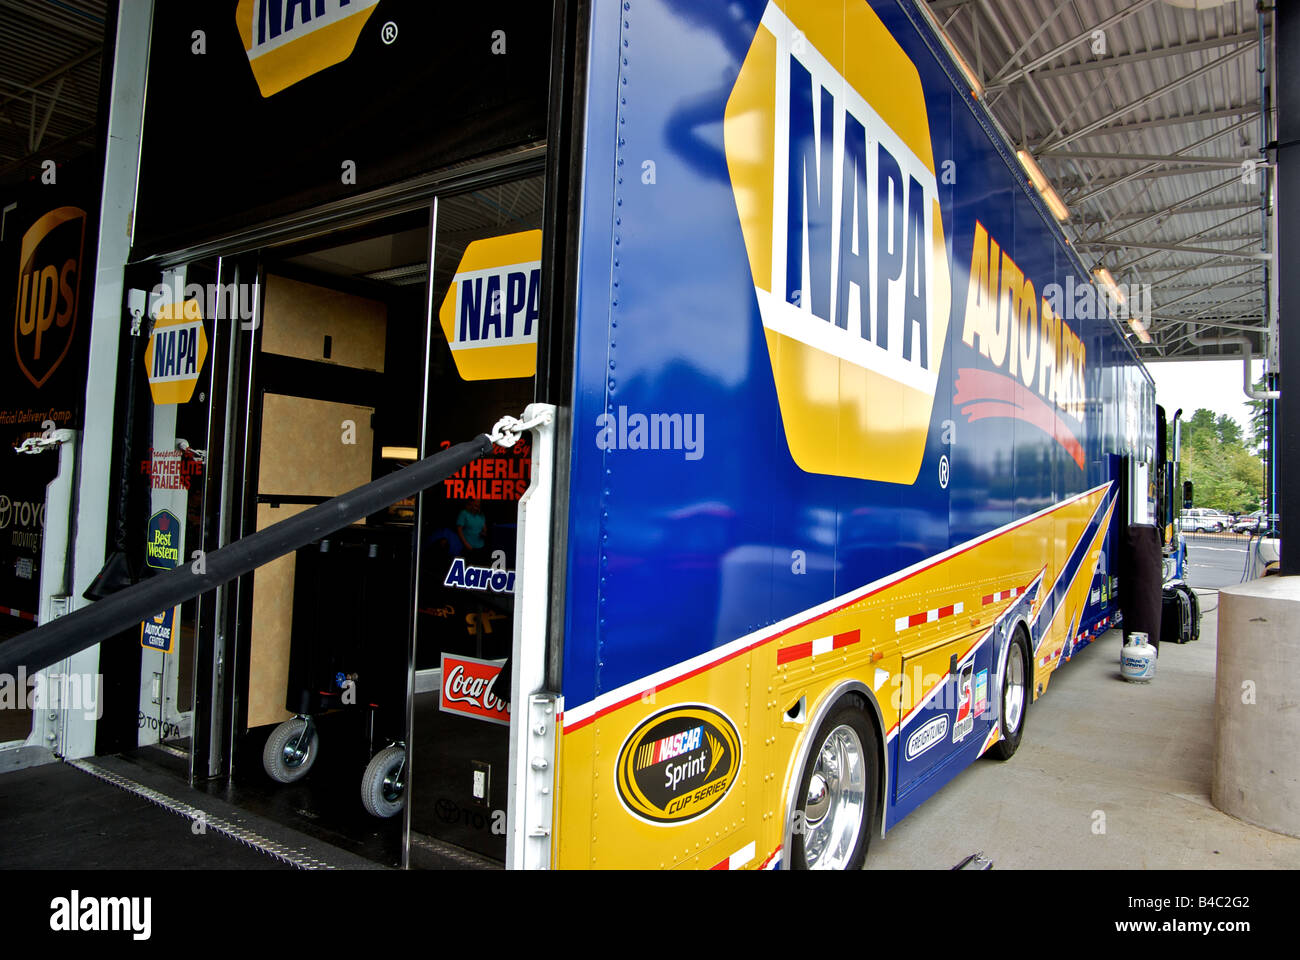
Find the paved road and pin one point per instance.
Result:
(1215, 561)
(1080, 794)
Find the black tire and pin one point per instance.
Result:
(1012, 731)
(845, 721)
(383, 786)
(285, 764)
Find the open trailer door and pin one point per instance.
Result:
(484, 537)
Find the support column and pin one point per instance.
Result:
(121, 160)
(1286, 30)
(1256, 765)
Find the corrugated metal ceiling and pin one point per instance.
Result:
(1142, 128)
(50, 62)
(1142, 113)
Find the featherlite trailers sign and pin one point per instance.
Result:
(47, 253)
(324, 100)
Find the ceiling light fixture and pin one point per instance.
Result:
(976, 87)
(1043, 186)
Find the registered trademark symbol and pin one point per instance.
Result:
(943, 471)
(389, 34)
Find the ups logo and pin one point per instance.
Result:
(828, 148)
(289, 40)
(49, 281)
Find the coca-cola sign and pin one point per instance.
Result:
(469, 688)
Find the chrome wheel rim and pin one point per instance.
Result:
(1013, 689)
(834, 801)
(394, 783)
(296, 750)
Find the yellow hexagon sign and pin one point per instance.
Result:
(489, 315)
(175, 353)
(289, 40)
(828, 146)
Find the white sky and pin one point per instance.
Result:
(1214, 384)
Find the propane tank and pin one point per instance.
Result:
(1138, 658)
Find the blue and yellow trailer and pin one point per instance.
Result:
(848, 426)
(836, 437)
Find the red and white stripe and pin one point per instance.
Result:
(1097, 630)
(1004, 595)
(738, 859)
(579, 715)
(929, 616)
(20, 614)
(801, 651)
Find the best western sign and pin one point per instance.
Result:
(163, 541)
(176, 351)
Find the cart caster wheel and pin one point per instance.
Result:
(383, 787)
(291, 750)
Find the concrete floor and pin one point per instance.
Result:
(1097, 751)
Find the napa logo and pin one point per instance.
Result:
(828, 148)
(490, 313)
(289, 40)
(175, 353)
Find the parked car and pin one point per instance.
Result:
(1250, 523)
(1201, 520)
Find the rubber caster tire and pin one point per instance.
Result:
(1015, 687)
(832, 823)
(383, 786)
(283, 761)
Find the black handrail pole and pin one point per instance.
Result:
(84, 628)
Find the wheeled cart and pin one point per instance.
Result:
(349, 651)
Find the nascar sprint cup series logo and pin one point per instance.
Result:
(678, 764)
(828, 148)
(289, 40)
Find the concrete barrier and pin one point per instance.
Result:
(1257, 704)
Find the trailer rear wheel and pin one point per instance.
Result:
(291, 750)
(1015, 697)
(383, 787)
(837, 795)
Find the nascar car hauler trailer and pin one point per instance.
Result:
(849, 424)
(833, 440)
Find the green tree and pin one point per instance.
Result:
(1228, 429)
(1224, 473)
(1199, 425)
(1258, 418)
